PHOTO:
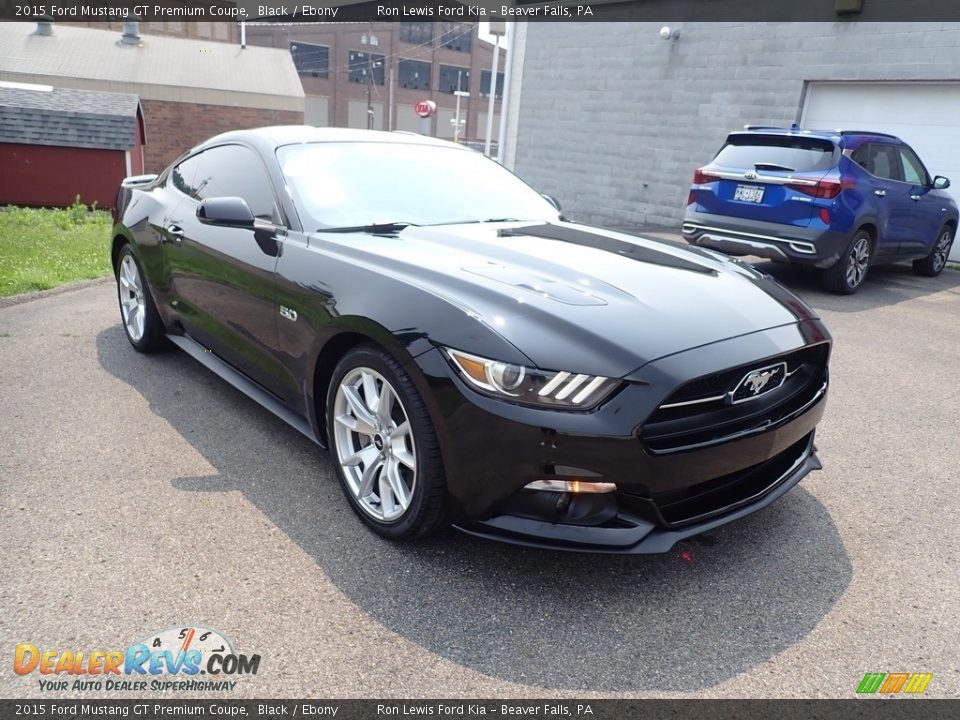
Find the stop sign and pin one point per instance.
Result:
(425, 108)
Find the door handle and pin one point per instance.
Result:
(880, 193)
(174, 232)
(914, 197)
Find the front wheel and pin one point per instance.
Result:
(384, 447)
(849, 272)
(934, 263)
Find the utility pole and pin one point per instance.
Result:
(369, 41)
(456, 120)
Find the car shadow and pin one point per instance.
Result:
(716, 606)
(885, 285)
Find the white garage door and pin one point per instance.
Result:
(925, 115)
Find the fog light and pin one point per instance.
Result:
(571, 486)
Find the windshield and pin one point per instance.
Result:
(360, 183)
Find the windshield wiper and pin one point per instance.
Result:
(382, 228)
(772, 166)
(485, 220)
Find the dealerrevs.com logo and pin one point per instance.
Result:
(191, 658)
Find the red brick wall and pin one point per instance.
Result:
(172, 128)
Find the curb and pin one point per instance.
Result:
(41, 294)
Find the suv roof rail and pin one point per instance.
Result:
(765, 127)
(866, 132)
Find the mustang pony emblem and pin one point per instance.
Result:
(758, 381)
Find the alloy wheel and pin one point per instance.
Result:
(858, 261)
(132, 303)
(942, 250)
(374, 444)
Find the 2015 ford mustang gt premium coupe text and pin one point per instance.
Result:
(466, 354)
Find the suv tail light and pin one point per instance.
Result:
(700, 177)
(827, 188)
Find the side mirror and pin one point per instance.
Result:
(941, 183)
(226, 211)
(552, 200)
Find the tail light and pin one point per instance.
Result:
(827, 188)
(700, 177)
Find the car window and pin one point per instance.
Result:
(345, 184)
(797, 154)
(913, 170)
(183, 174)
(236, 171)
(878, 160)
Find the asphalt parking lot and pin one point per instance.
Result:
(140, 493)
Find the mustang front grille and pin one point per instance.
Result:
(740, 401)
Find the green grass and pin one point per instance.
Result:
(41, 249)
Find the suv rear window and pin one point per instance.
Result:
(797, 154)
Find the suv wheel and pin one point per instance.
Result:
(934, 263)
(384, 447)
(850, 270)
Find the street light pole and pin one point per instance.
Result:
(496, 29)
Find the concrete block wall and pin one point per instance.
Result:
(613, 120)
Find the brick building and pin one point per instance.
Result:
(189, 89)
(395, 65)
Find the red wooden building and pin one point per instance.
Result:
(57, 143)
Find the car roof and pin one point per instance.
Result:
(278, 135)
(841, 136)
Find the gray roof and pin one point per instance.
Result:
(71, 118)
(160, 68)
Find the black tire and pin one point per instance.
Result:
(849, 272)
(153, 338)
(426, 512)
(934, 263)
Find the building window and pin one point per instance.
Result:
(362, 63)
(456, 36)
(485, 83)
(310, 59)
(452, 77)
(414, 75)
(418, 33)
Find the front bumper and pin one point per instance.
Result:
(492, 450)
(637, 536)
(814, 246)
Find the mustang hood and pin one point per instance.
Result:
(575, 298)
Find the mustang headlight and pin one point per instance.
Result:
(530, 386)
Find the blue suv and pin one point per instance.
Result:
(837, 200)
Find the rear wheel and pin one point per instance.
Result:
(141, 321)
(384, 447)
(934, 263)
(849, 272)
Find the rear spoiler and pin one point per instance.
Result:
(127, 186)
(138, 180)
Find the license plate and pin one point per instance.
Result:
(748, 193)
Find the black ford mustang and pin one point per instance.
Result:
(466, 354)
